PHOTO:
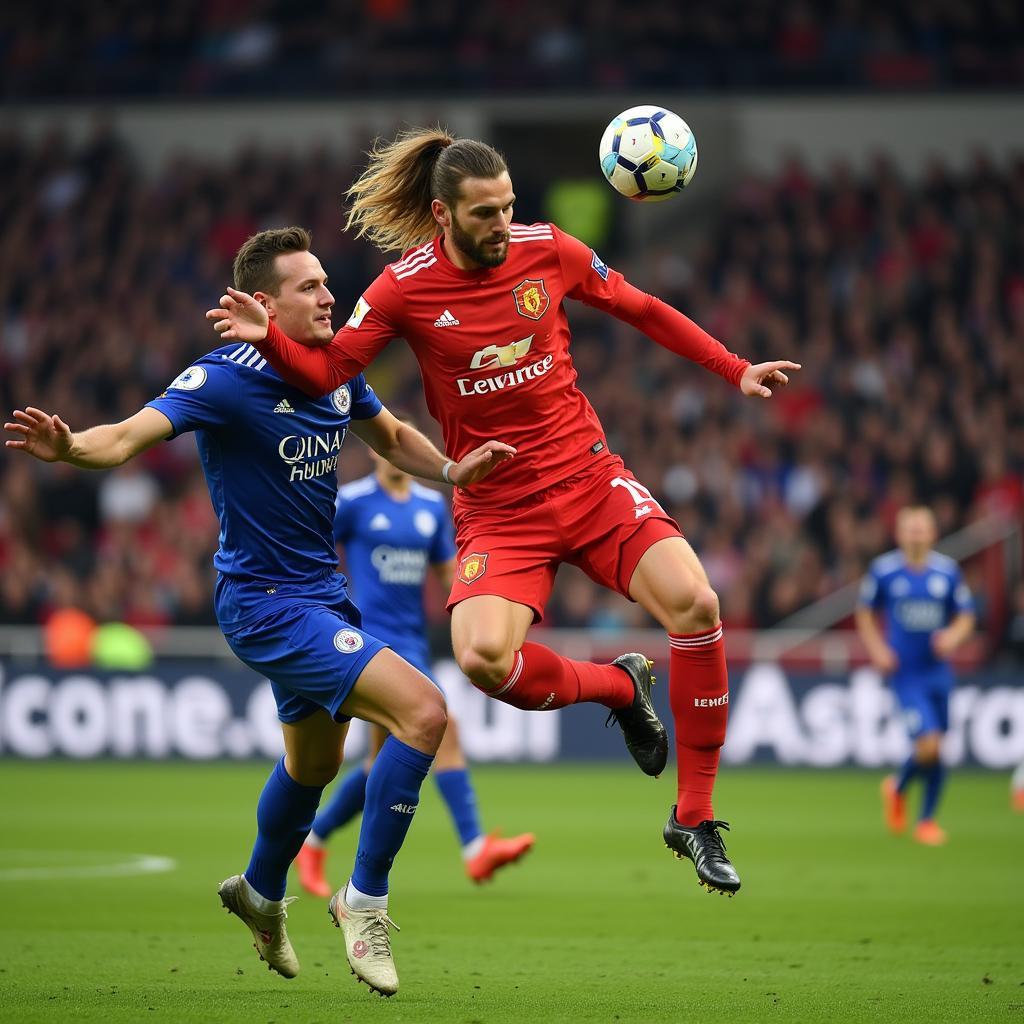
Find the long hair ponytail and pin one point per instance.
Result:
(390, 201)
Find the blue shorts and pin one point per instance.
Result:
(924, 700)
(304, 637)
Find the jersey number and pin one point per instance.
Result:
(637, 492)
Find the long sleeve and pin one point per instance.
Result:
(590, 280)
(319, 370)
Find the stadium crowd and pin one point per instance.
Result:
(904, 302)
(76, 48)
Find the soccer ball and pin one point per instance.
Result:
(648, 154)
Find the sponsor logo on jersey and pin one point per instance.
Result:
(348, 641)
(341, 399)
(472, 567)
(600, 266)
(284, 406)
(311, 455)
(362, 307)
(447, 320)
(189, 380)
(531, 297)
(402, 566)
(501, 355)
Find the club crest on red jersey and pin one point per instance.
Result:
(532, 299)
(472, 567)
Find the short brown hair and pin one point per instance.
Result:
(255, 267)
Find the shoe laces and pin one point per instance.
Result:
(714, 845)
(375, 932)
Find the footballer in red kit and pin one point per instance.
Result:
(480, 300)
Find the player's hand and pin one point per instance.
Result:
(479, 462)
(239, 317)
(46, 437)
(943, 643)
(885, 660)
(761, 379)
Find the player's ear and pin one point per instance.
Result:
(441, 213)
(267, 302)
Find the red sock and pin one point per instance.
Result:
(698, 689)
(542, 680)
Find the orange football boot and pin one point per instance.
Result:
(929, 833)
(309, 864)
(894, 806)
(496, 853)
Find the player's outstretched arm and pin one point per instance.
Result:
(315, 369)
(47, 437)
(405, 447)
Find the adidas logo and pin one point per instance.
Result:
(380, 522)
(446, 320)
(284, 406)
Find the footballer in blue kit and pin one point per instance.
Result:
(270, 457)
(928, 612)
(393, 530)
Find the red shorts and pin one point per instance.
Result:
(601, 520)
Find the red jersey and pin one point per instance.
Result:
(493, 350)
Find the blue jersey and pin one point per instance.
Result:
(388, 546)
(915, 602)
(270, 456)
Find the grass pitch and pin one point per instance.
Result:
(836, 921)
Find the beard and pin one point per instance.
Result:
(478, 252)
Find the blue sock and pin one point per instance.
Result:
(283, 817)
(459, 795)
(346, 803)
(907, 772)
(934, 780)
(392, 795)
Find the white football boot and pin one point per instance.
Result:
(367, 943)
(267, 929)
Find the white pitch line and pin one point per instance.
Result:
(133, 864)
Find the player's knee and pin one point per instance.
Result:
(315, 768)
(422, 727)
(486, 663)
(694, 609)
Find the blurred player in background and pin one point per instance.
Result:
(928, 612)
(479, 299)
(392, 528)
(1017, 789)
(270, 457)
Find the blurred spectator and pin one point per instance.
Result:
(75, 49)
